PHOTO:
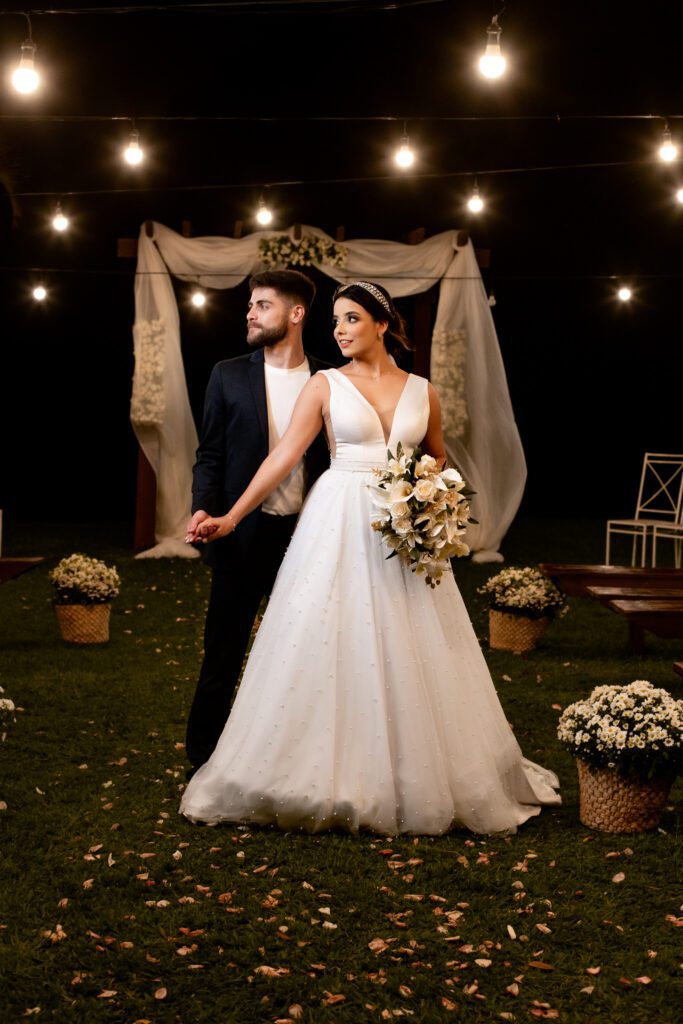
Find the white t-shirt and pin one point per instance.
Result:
(283, 387)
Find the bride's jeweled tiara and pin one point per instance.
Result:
(373, 289)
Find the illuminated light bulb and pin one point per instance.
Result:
(133, 154)
(25, 78)
(39, 293)
(624, 294)
(668, 151)
(264, 215)
(59, 221)
(198, 299)
(475, 204)
(404, 155)
(679, 196)
(493, 64)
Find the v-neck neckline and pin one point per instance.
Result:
(358, 391)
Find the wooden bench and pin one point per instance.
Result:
(663, 617)
(576, 579)
(10, 568)
(643, 591)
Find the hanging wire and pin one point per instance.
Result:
(306, 182)
(238, 7)
(505, 278)
(334, 118)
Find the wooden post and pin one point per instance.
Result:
(422, 326)
(340, 233)
(145, 504)
(186, 228)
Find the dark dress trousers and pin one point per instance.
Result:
(233, 444)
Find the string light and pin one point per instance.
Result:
(39, 293)
(624, 294)
(668, 151)
(25, 78)
(133, 153)
(475, 204)
(404, 156)
(60, 222)
(679, 196)
(264, 215)
(198, 299)
(492, 63)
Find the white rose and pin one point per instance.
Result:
(400, 510)
(424, 490)
(425, 466)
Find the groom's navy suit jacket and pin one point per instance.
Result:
(234, 443)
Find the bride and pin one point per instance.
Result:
(366, 702)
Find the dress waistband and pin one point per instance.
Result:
(352, 465)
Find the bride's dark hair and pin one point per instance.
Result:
(395, 338)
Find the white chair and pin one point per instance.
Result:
(669, 531)
(658, 509)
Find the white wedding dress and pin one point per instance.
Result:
(366, 702)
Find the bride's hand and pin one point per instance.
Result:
(213, 528)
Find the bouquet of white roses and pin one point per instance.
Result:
(421, 512)
(523, 592)
(635, 729)
(79, 579)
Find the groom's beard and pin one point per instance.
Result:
(266, 337)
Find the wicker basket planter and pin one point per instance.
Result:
(516, 633)
(611, 802)
(84, 623)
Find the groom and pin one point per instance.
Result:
(248, 406)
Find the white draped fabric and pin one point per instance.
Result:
(481, 435)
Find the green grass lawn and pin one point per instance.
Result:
(114, 909)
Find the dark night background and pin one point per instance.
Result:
(594, 384)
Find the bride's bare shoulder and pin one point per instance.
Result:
(319, 384)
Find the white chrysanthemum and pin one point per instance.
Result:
(80, 579)
(636, 728)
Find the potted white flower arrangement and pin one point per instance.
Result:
(522, 603)
(628, 745)
(84, 589)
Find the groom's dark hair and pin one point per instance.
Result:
(291, 284)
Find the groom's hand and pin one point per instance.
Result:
(214, 527)
(192, 536)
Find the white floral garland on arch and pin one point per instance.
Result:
(481, 436)
(448, 365)
(308, 251)
(147, 405)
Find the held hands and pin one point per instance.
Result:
(203, 528)
(191, 537)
